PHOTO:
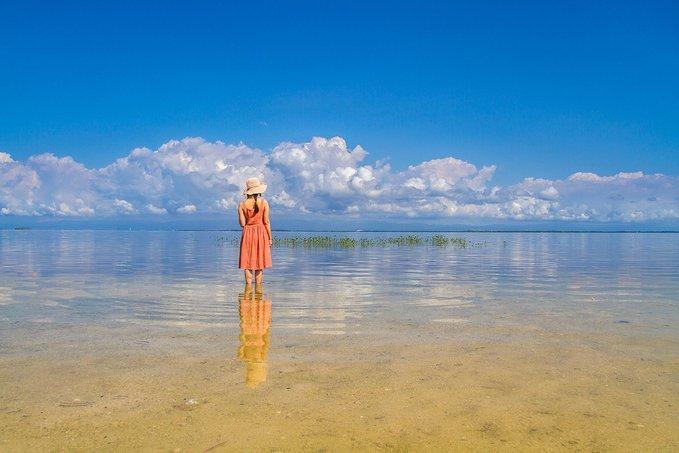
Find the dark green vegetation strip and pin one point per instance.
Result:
(410, 240)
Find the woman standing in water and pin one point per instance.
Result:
(255, 243)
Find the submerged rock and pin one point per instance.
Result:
(187, 404)
(76, 403)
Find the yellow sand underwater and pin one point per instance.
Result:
(536, 392)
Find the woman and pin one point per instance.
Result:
(255, 243)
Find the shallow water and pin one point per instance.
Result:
(122, 340)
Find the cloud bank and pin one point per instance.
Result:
(323, 176)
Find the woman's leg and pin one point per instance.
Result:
(258, 281)
(248, 276)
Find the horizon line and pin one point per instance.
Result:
(24, 229)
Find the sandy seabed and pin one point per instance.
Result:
(448, 387)
(147, 341)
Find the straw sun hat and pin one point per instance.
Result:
(254, 185)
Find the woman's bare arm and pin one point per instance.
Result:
(267, 223)
(241, 215)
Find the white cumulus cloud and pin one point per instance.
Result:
(155, 209)
(322, 176)
(187, 209)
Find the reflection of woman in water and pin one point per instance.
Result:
(255, 243)
(255, 321)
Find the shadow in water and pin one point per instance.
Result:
(254, 311)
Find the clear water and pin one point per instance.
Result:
(528, 341)
(586, 280)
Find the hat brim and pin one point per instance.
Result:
(257, 189)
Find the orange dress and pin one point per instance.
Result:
(255, 252)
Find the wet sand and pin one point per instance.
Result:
(408, 389)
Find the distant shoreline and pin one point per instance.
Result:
(24, 229)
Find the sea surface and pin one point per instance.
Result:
(125, 340)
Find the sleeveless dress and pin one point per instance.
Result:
(255, 252)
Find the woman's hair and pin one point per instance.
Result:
(255, 196)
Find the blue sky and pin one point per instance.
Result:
(535, 89)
